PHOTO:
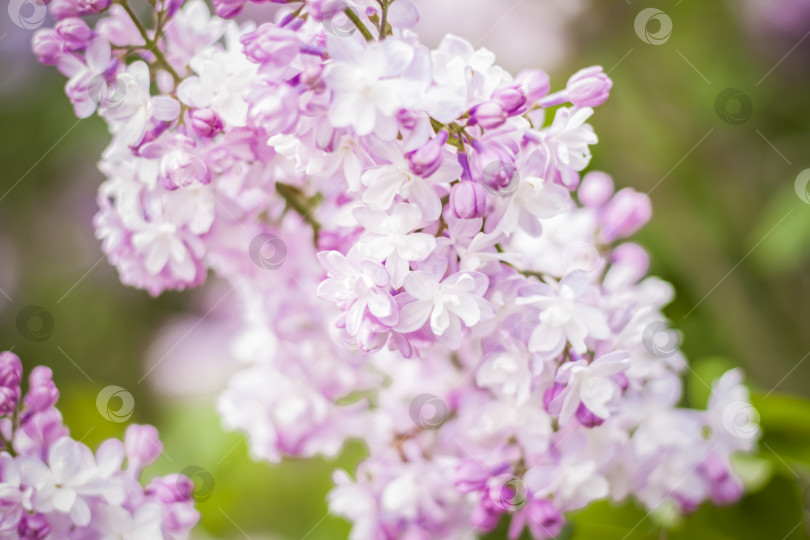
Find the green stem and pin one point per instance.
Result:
(358, 23)
(299, 202)
(151, 45)
(7, 446)
(384, 19)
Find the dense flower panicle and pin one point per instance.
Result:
(418, 259)
(54, 487)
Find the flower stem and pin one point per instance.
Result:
(302, 204)
(151, 45)
(358, 23)
(7, 446)
(384, 19)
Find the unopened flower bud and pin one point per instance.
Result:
(535, 83)
(62, 9)
(74, 33)
(10, 369)
(468, 200)
(471, 475)
(510, 99)
(724, 488)
(406, 118)
(143, 446)
(171, 488)
(42, 392)
(205, 122)
(595, 189)
(544, 520)
(550, 394)
(8, 400)
(587, 418)
(33, 527)
(632, 259)
(589, 87)
(47, 46)
(488, 115)
(625, 214)
(426, 160)
(493, 164)
(228, 9)
(270, 44)
(91, 7)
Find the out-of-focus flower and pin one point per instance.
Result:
(53, 484)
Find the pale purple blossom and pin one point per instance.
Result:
(415, 263)
(51, 483)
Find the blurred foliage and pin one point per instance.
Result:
(729, 232)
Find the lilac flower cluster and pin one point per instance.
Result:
(419, 259)
(55, 487)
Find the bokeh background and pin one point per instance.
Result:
(710, 116)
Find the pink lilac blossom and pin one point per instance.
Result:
(53, 486)
(418, 262)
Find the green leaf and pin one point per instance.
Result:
(785, 225)
(785, 430)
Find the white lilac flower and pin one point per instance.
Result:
(446, 304)
(564, 317)
(391, 238)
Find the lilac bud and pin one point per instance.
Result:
(471, 475)
(47, 46)
(10, 369)
(8, 399)
(724, 488)
(406, 119)
(488, 115)
(485, 515)
(91, 7)
(511, 100)
(550, 394)
(33, 527)
(42, 392)
(74, 32)
(426, 160)
(62, 9)
(625, 214)
(507, 492)
(270, 44)
(228, 9)
(171, 488)
(535, 83)
(595, 189)
(587, 418)
(589, 87)
(468, 200)
(205, 122)
(493, 164)
(143, 446)
(633, 259)
(688, 505)
(624, 382)
(545, 520)
(173, 6)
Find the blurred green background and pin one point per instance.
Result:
(729, 231)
